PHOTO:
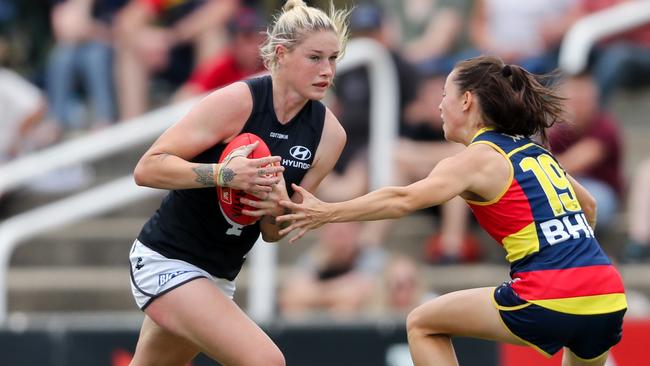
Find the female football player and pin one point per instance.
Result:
(564, 291)
(185, 259)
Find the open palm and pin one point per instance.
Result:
(311, 214)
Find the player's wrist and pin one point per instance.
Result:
(217, 174)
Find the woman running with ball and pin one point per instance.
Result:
(185, 259)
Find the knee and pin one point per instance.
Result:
(415, 321)
(426, 320)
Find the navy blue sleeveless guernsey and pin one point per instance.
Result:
(189, 224)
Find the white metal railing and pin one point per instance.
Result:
(580, 38)
(384, 105)
(98, 200)
(123, 191)
(91, 147)
(94, 201)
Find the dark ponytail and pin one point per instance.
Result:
(512, 100)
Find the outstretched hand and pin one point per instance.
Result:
(256, 176)
(311, 214)
(268, 203)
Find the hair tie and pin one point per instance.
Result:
(506, 71)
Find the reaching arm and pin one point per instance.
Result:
(479, 170)
(390, 202)
(384, 203)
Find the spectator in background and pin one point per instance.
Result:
(337, 277)
(238, 61)
(23, 108)
(589, 147)
(82, 52)
(619, 61)
(526, 33)
(638, 246)
(163, 38)
(25, 37)
(21, 129)
(420, 147)
(404, 287)
(427, 32)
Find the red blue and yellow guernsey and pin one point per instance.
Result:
(555, 260)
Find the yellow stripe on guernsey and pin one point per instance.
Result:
(521, 243)
(511, 153)
(500, 151)
(585, 305)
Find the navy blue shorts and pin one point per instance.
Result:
(587, 336)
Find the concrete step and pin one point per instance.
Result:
(101, 241)
(105, 241)
(37, 289)
(55, 289)
(406, 235)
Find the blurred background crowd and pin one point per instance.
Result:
(70, 68)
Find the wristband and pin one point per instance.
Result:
(233, 154)
(218, 180)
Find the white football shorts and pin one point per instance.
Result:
(153, 275)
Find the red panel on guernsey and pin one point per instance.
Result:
(541, 285)
(507, 216)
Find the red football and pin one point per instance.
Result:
(229, 199)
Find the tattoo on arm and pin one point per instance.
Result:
(227, 175)
(204, 175)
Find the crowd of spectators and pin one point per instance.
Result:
(75, 66)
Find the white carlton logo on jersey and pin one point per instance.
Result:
(300, 152)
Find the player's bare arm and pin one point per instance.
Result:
(218, 117)
(453, 176)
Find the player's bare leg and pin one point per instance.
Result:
(468, 313)
(200, 313)
(156, 346)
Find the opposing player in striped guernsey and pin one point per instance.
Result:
(564, 292)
